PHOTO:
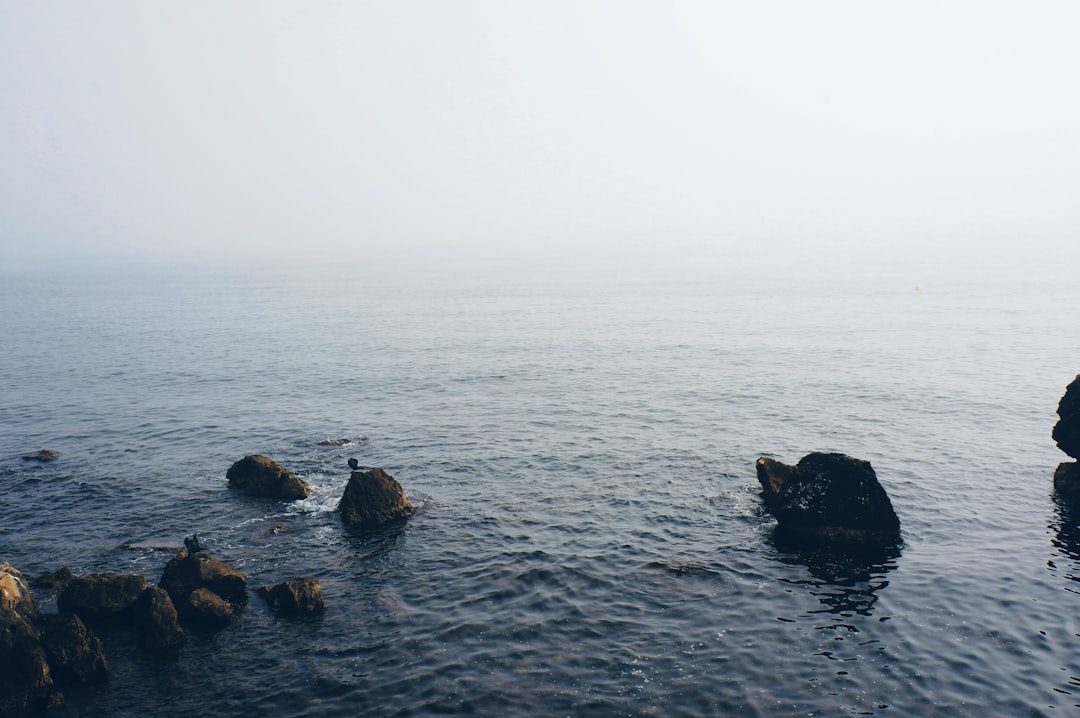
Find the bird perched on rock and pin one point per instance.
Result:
(354, 464)
(192, 544)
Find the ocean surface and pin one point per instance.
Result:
(580, 445)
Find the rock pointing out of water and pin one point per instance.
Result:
(828, 496)
(301, 597)
(372, 499)
(260, 476)
(1067, 435)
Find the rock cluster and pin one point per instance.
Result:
(828, 496)
(207, 592)
(373, 499)
(1067, 435)
(260, 476)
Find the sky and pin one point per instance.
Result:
(210, 132)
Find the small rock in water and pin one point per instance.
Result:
(260, 476)
(43, 455)
(830, 496)
(301, 597)
(372, 499)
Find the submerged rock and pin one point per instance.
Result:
(159, 626)
(829, 496)
(101, 596)
(1067, 430)
(260, 476)
(43, 455)
(72, 649)
(301, 597)
(373, 498)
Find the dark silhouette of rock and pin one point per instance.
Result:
(828, 496)
(56, 580)
(101, 596)
(159, 626)
(188, 572)
(14, 593)
(206, 610)
(72, 650)
(373, 498)
(1067, 430)
(43, 455)
(260, 476)
(1067, 480)
(26, 683)
(300, 597)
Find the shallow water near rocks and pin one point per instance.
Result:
(589, 538)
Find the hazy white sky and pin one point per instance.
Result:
(218, 131)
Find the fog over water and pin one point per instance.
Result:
(390, 136)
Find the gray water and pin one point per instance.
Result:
(589, 537)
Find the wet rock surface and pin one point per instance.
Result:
(373, 499)
(259, 476)
(828, 496)
(72, 650)
(187, 572)
(299, 597)
(43, 455)
(102, 596)
(159, 624)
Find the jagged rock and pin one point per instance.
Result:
(72, 650)
(830, 496)
(1067, 480)
(187, 572)
(101, 596)
(14, 593)
(205, 609)
(56, 580)
(372, 499)
(260, 476)
(159, 627)
(1067, 430)
(43, 455)
(26, 684)
(301, 597)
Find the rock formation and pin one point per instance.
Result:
(373, 498)
(101, 596)
(1067, 435)
(828, 496)
(57, 580)
(260, 476)
(207, 592)
(14, 593)
(72, 650)
(159, 626)
(301, 597)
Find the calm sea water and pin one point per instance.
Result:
(589, 539)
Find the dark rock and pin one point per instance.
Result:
(333, 442)
(829, 496)
(372, 499)
(56, 580)
(14, 593)
(1067, 480)
(101, 596)
(1067, 430)
(260, 476)
(26, 683)
(159, 627)
(72, 650)
(301, 597)
(207, 610)
(187, 572)
(43, 455)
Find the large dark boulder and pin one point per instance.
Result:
(159, 626)
(187, 572)
(260, 476)
(1067, 430)
(101, 596)
(26, 683)
(372, 499)
(72, 650)
(828, 496)
(300, 597)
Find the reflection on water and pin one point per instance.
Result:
(1066, 537)
(845, 578)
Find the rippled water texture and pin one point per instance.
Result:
(589, 538)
